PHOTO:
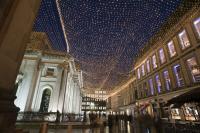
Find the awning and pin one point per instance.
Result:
(188, 97)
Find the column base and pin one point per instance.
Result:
(8, 111)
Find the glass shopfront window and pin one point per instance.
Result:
(194, 69)
(154, 62)
(151, 86)
(171, 48)
(197, 26)
(138, 73)
(148, 65)
(167, 80)
(184, 41)
(178, 75)
(175, 114)
(162, 56)
(158, 82)
(143, 70)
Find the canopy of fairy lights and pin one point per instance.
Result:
(104, 36)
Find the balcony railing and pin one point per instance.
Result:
(48, 117)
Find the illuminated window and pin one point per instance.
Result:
(178, 75)
(197, 26)
(148, 66)
(162, 56)
(151, 86)
(194, 69)
(171, 48)
(158, 82)
(138, 73)
(167, 80)
(184, 41)
(154, 62)
(143, 70)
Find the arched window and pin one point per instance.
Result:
(45, 100)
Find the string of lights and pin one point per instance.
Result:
(104, 36)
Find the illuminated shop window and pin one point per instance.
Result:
(175, 114)
(158, 82)
(143, 70)
(184, 41)
(190, 112)
(171, 48)
(162, 56)
(197, 26)
(194, 69)
(154, 62)
(138, 73)
(178, 75)
(151, 86)
(167, 80)
(148, 66)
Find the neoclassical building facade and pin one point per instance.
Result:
(48, 81)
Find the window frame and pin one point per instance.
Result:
(180, 42)
(188, 67)
(148, 60)
(138, 73)
(155, 61)
(163, 55)
(158, 75)
(152, 86)
(197, 35)
(168, 49)
(176, 82)
(170, 85)
(143, 70)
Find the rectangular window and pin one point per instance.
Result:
(171, 48)
(167, 80)
(138, 73)
(162, 56)
(178, 75)
(194, 69)
(143, 70)
(50, 71)
(184, 41)
(148, 66)
(154, 62)
(197, 26)
(158, 82)
(145, 89)
(151, 86)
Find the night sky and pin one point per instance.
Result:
(104, 36)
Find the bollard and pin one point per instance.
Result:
(44, 128)
(69, 129)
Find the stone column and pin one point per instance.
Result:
(16, 26)
(56, 91)
(62, 91)
(34, 96)
(67, 95)
(36, 76)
